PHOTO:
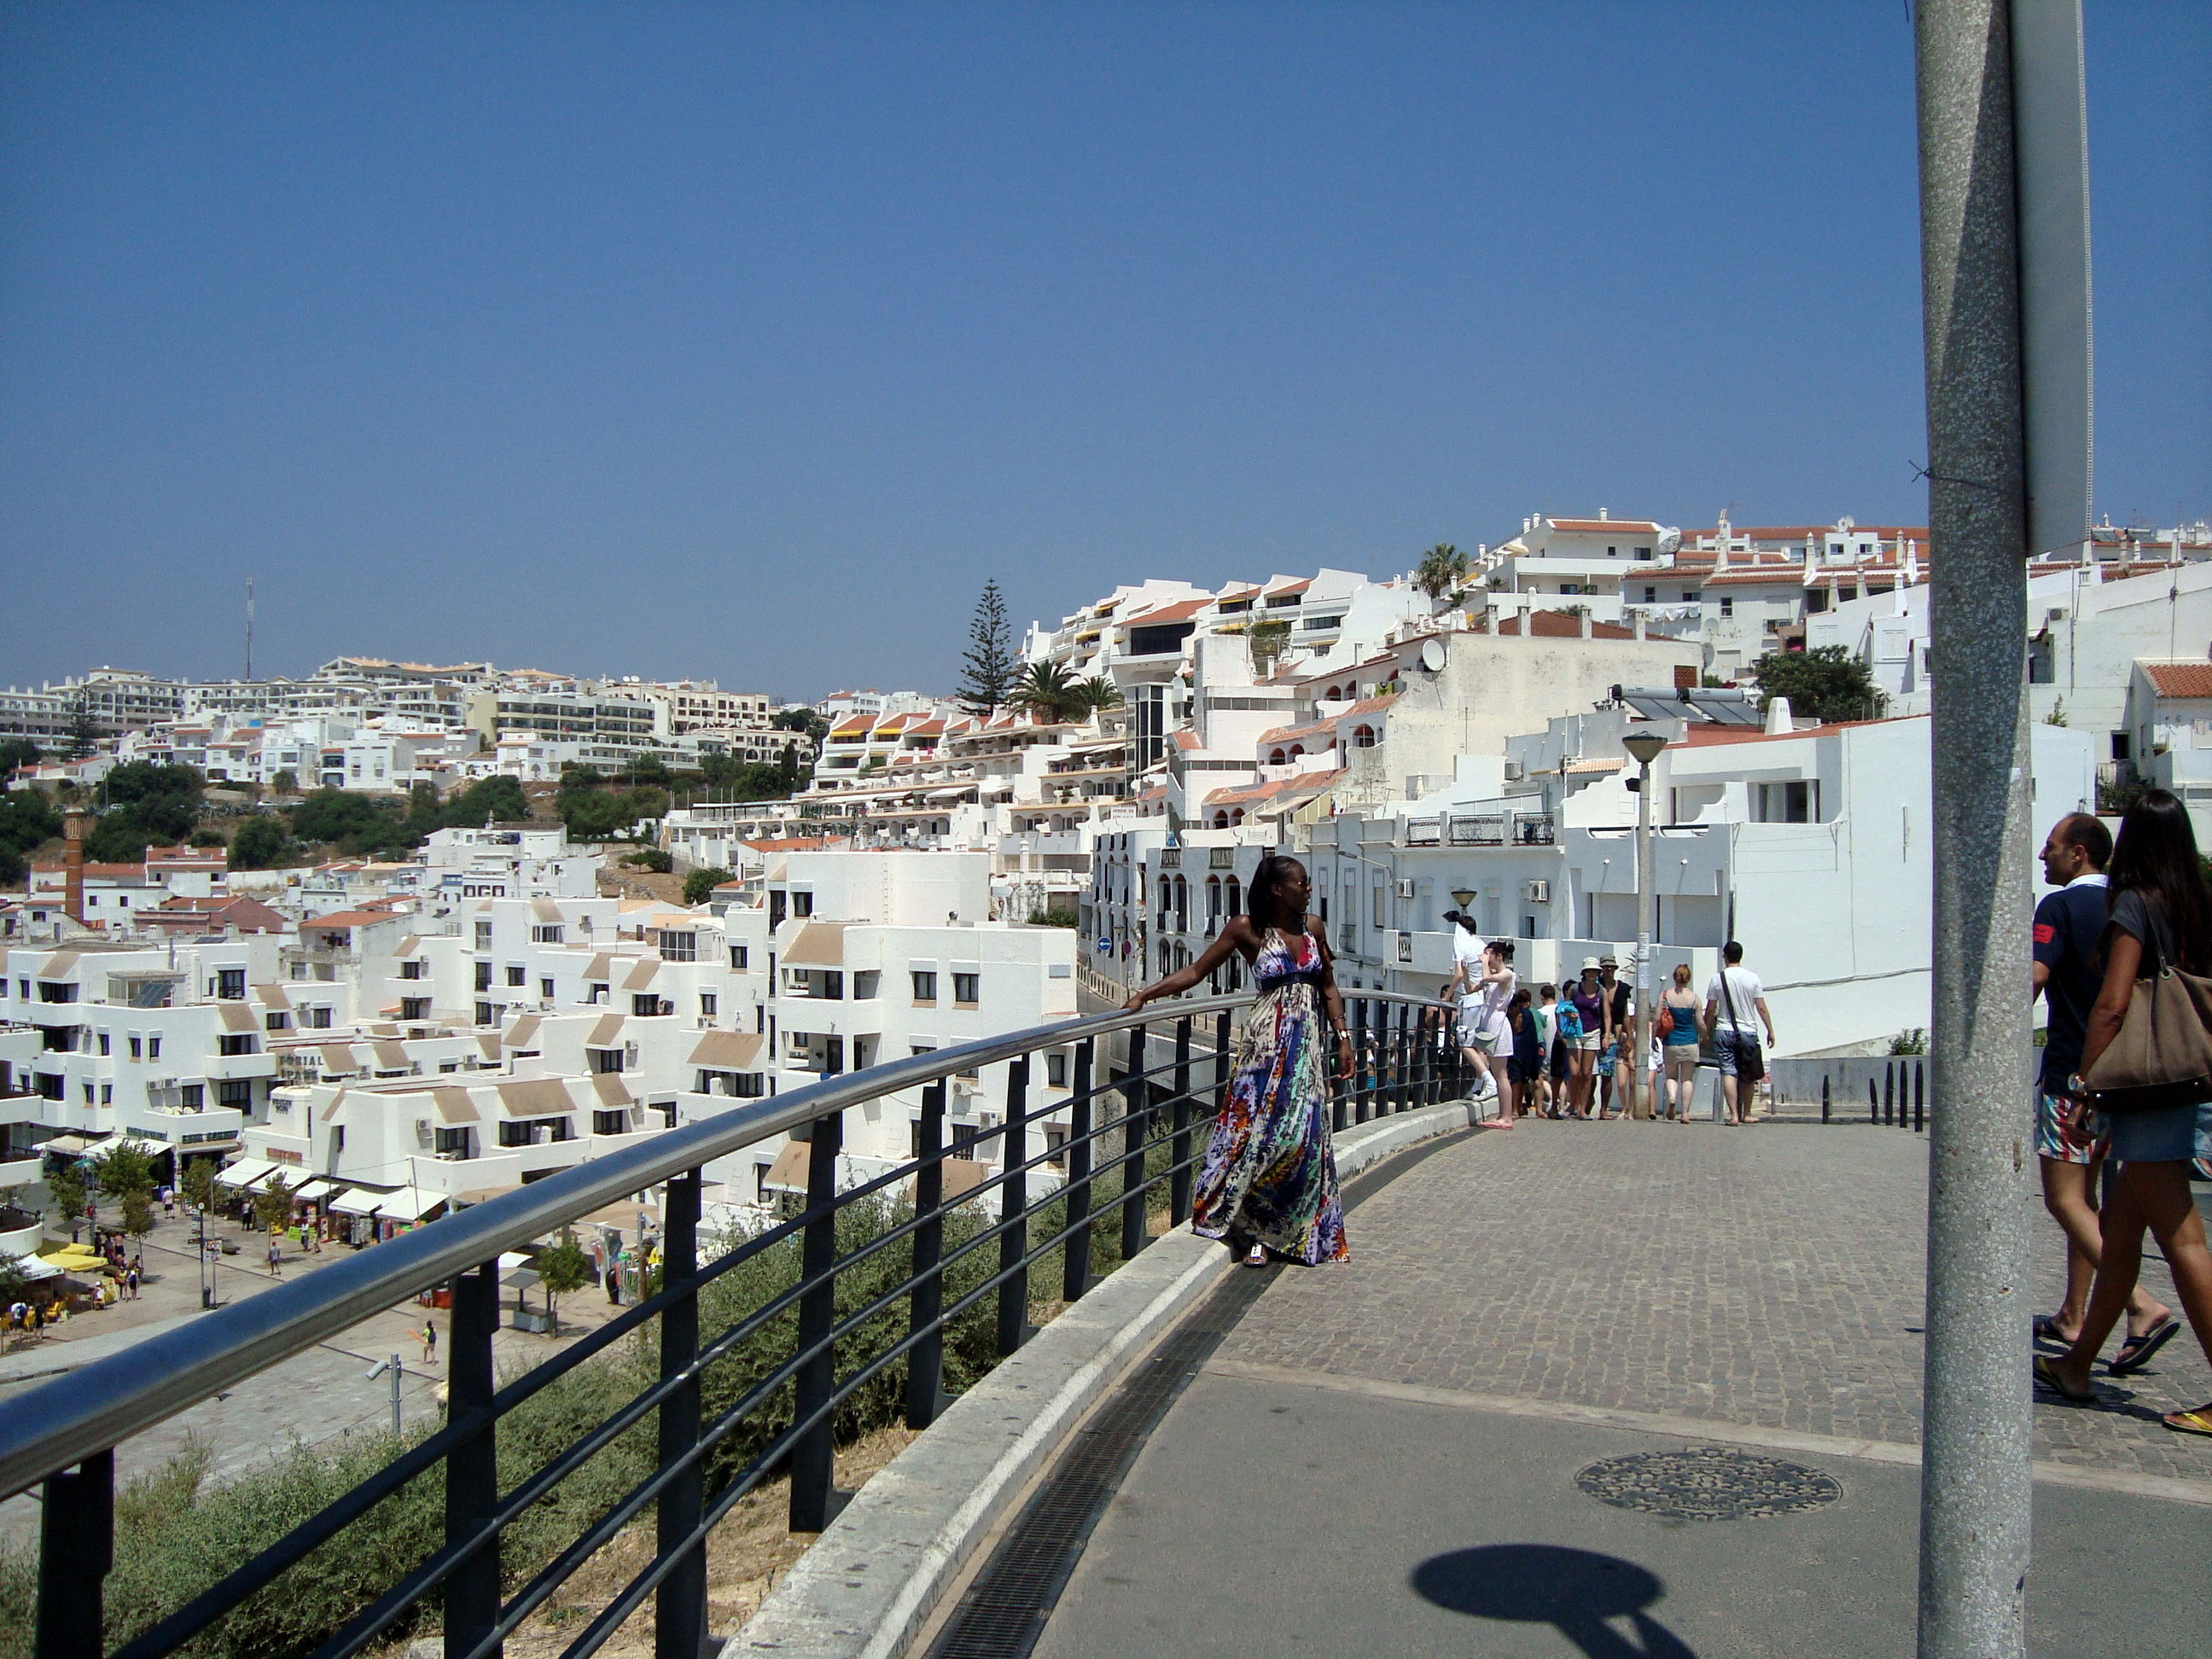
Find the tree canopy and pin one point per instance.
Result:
(988, 670)
(27, 819)
(1442, 572)
(700, 883)
(147, 805)
(1828, 683)
(260, 844)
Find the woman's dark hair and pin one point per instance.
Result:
(1262, 904)
(1503, 946)
(2156, 856)
(1464, 920)
(1519, 1000)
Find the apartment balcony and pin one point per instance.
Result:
(1498, 828)
(228, 1068)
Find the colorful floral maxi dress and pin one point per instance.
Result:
(1268, 1176)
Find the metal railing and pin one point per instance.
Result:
(1131, 1136)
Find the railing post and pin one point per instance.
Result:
(924, 1360)
(1075, 1255)
(680, 1603)
(1344, 1099)
(1919, 1096)
(76, 1549)
(1136, 1096)
(1013, 1206)
(1401, 1098)
(1824, 1097)
(814, 1501)
(471, 1596)
(1179, 1181)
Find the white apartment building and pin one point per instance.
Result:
(1810, 846)
(167, 1043)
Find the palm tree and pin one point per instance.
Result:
(1442, 570)
(1050, 692)
(1099, 692)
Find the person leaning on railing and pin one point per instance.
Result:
(1268, 1182)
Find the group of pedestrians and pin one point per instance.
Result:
(2124, 911)
(1569, 1053)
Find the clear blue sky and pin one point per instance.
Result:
(746, 340)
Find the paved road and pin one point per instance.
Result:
(1381, 1460)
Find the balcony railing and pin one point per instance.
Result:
(1131, 1147)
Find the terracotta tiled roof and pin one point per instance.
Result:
(1579, 526)
(1297, 783)
(2179, 680)
(1369, 706)
(1559, 625)
(1706, 737)
(1291, 733)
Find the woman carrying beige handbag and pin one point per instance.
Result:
(2157, 947)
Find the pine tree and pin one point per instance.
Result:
(988, 670)
(84, 731)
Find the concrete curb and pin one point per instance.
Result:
(868, 1585)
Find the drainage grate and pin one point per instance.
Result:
(1708, 1483)
(1004, 1610)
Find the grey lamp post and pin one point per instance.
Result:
(1643, 747)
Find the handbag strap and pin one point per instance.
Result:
(1728, 995)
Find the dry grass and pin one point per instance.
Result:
(618, 882)
(747, 1556)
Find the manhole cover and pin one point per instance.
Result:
(1707, 1483)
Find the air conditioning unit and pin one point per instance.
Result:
(1405, 887)
(1538, 892)
(1512, 771)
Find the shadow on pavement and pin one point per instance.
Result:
(1578, 1591)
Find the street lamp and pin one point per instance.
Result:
(1643, 746)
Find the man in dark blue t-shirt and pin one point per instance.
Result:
(2070, 924)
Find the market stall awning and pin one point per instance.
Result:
(68, 1146)
(317, 1187)
(32, 1268)
(400, 1203)
(246, 1172)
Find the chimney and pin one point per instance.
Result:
(1584, 612)
(73, 863)
(1778, 722)
(1641, 635)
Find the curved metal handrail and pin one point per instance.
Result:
(60, 1423)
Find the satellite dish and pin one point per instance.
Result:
(1432, 655)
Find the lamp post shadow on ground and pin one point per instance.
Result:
(1580, 1593)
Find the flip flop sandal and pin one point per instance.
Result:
(2046, 1330)
(2137, 1351)
(2047, 1373)
(2196, 1422)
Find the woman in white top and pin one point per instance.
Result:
(1486, 987)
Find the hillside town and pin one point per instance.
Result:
(393, 939)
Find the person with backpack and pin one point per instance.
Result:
(1732, 1001)
(2160, 922)
(1582, 1028)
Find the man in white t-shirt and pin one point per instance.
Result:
(1736, 1004)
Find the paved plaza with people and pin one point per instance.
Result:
(1387, 1451)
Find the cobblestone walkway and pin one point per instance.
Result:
(1769, 1276)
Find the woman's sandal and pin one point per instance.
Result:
(2137, 1351)
(2196, 1422)
(1256, 1256)
(2047, 1373)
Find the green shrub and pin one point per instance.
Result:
(177, 1532)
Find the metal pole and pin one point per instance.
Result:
(397, 1365)
(1975, 1488)
(1647, 924)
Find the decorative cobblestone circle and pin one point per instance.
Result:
(1707, 1483)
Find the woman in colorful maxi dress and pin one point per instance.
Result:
(1268, 1182)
